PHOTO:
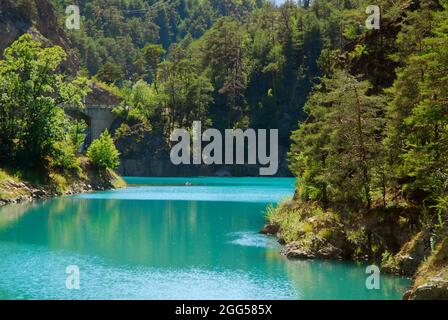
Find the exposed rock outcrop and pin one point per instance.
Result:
(308, 232)
(431, 281)
(38, 18)
(99, 96)
(434, 289)
(270, 229)
(411, 255)
(147, 153)
(326, 239)
(313, 248)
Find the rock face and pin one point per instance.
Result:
(411, 255)
(270, 229)
(431, 281)
(308, 232)
(15, 192)
(435, 289)
(38, 18)
(144, 153)
(315, 248)
(101, 97)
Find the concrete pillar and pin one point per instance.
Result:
(101, 118)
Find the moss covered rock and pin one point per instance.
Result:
(411, 255)
(308, 231)
(431, 281)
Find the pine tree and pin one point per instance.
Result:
(337, 151)
(426, 146)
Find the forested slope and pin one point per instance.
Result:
(371, 156)
(37, 18)
(226, 63)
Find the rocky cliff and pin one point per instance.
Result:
(431, 280)
(145, 153)
(38, 18)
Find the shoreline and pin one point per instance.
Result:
(14, 190)
(306, 233)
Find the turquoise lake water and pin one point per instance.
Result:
(167, 238)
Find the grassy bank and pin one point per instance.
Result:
(25, 185)
(11, 187)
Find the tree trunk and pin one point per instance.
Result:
(365, 171)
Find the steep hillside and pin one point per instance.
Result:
(38, 18)
(371, 158)
(109, 26)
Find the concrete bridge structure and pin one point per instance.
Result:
(97, 113)
(97, 117)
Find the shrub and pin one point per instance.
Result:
(60, 183)
(63, 158)
(103, 153)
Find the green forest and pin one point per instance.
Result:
(227, 63)
(373, 129)
(362, 113)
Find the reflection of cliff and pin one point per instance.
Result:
(36, 17)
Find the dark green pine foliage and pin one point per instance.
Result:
(362, 146)
(337, 151)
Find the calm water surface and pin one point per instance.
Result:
(167, 238)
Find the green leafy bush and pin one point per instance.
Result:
(103, 153)
(62, 158)
(33, 125)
